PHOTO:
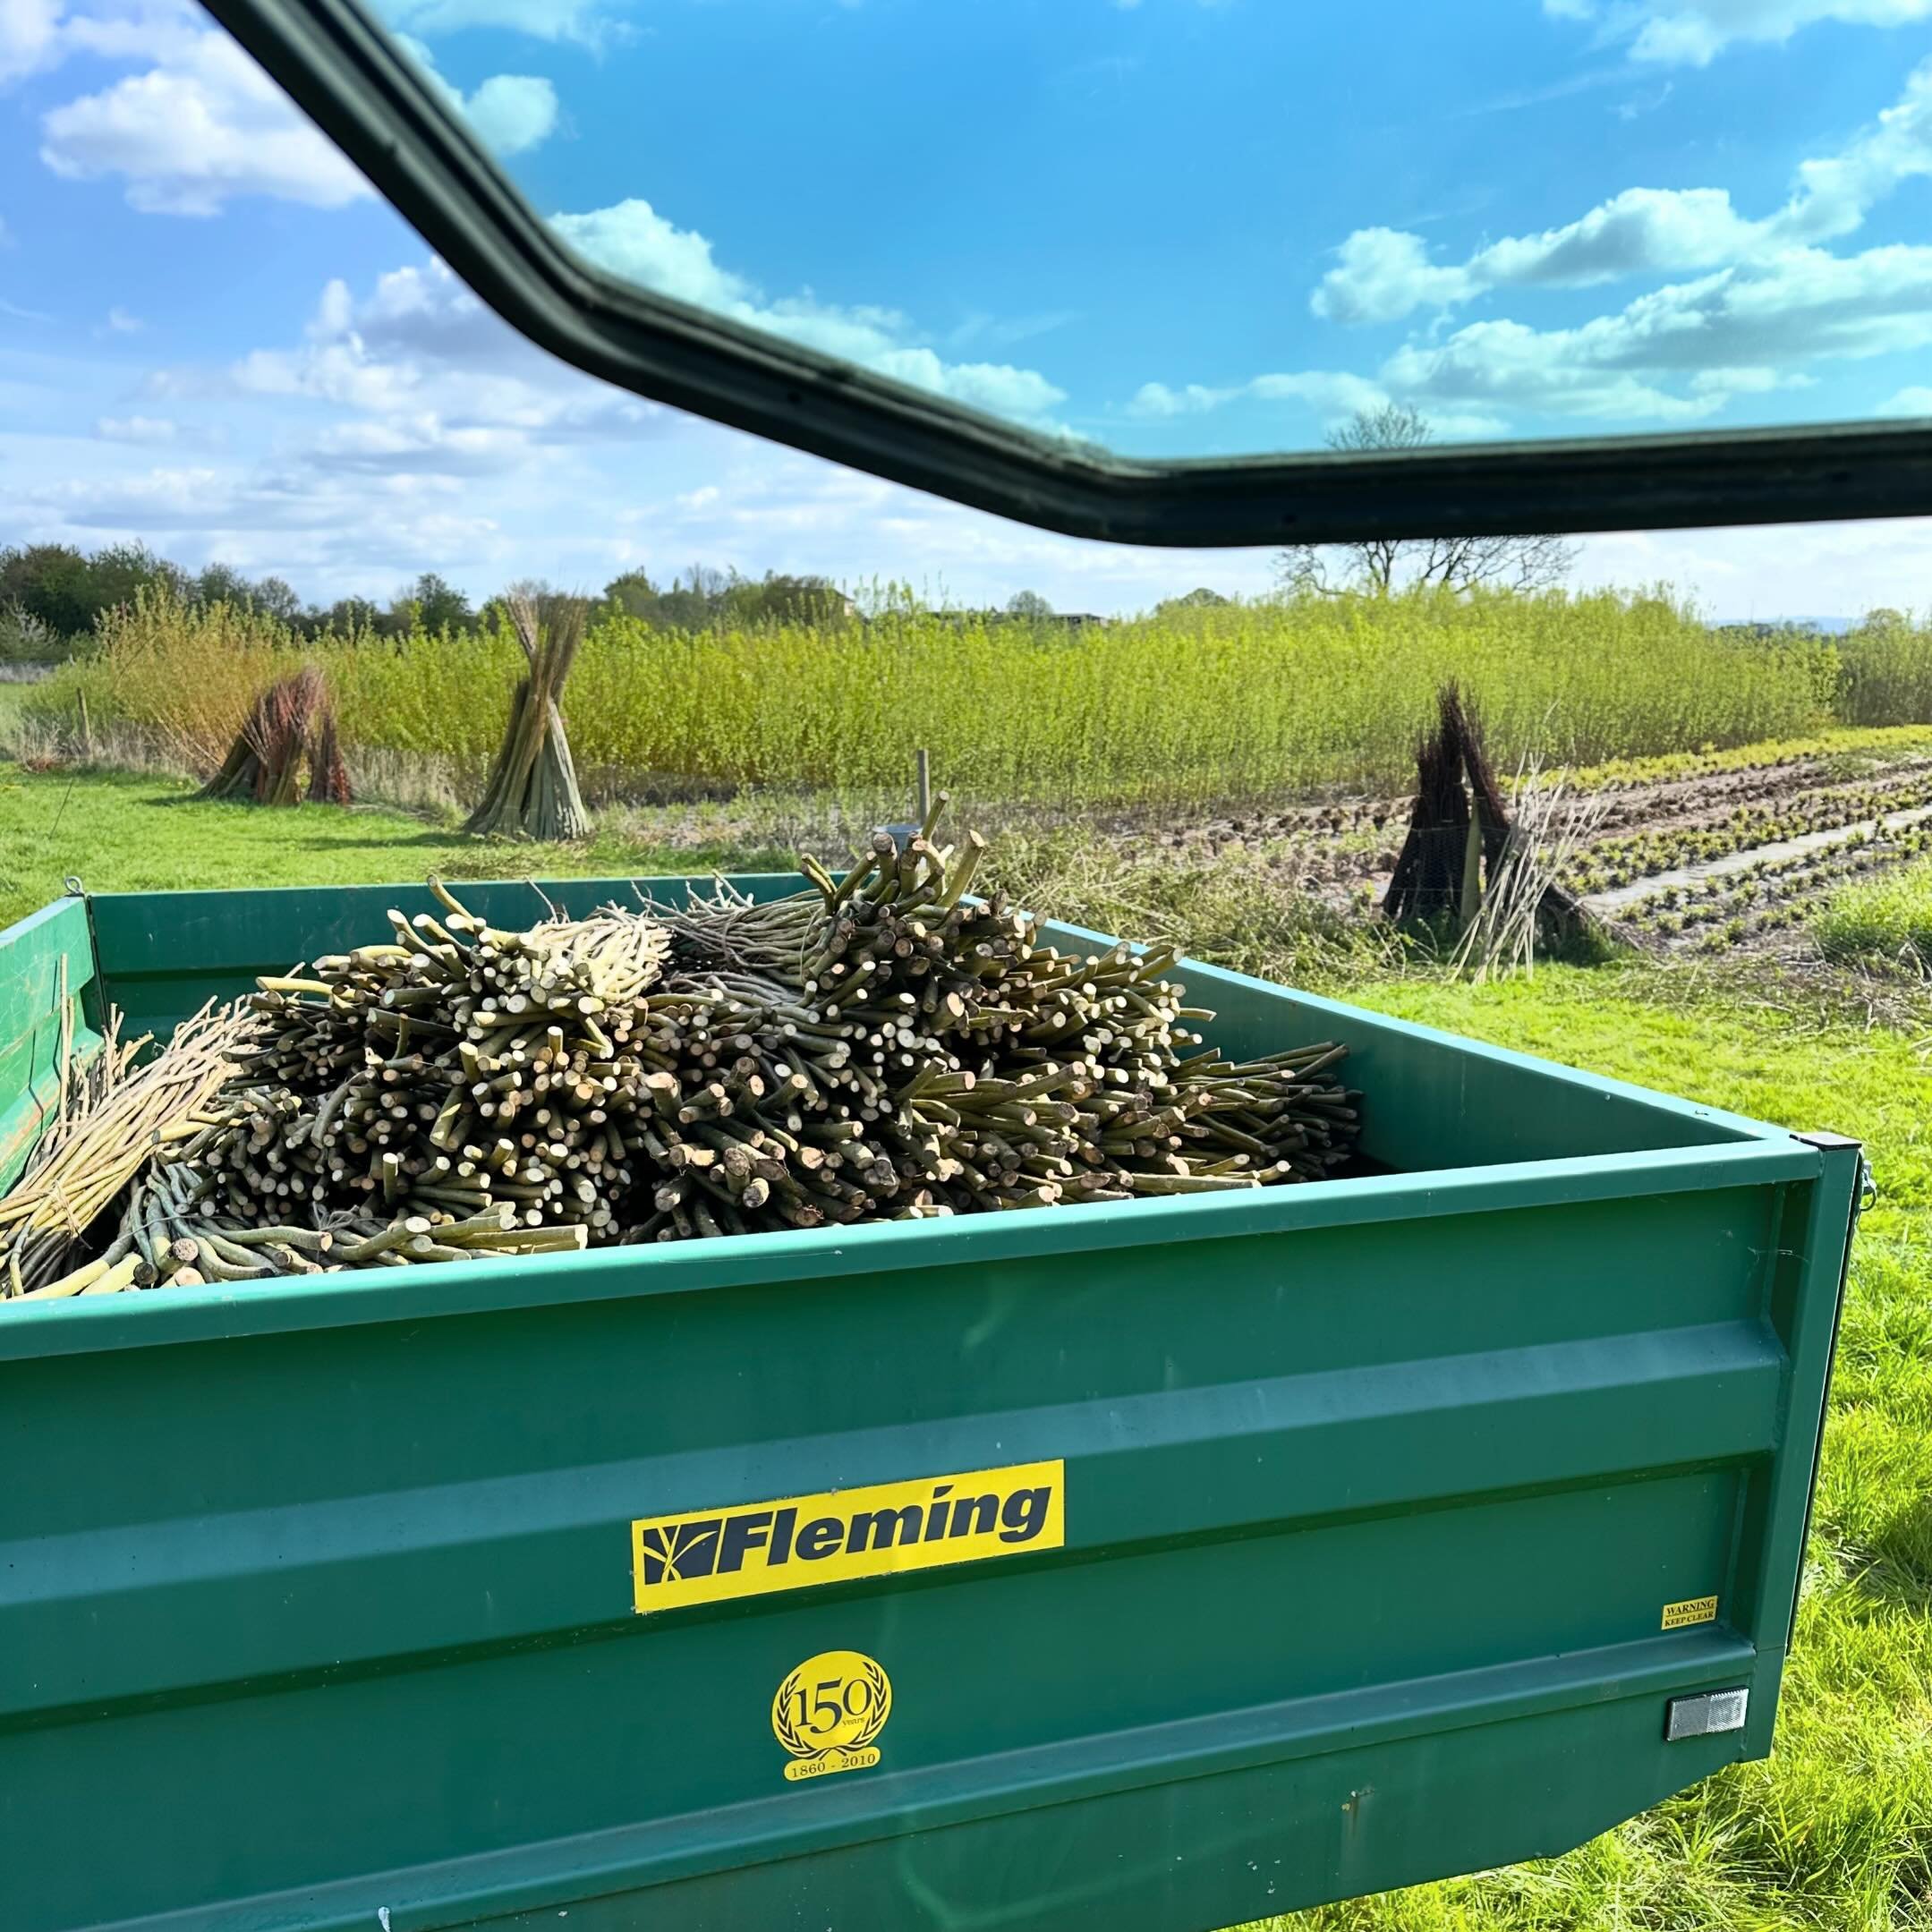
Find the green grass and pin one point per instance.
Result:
(121, 833)
(1833, 1833)
(1885, 922)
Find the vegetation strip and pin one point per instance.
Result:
(1279, 697)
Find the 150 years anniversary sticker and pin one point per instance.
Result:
(829, 1711)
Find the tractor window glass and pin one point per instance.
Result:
(1175, 228)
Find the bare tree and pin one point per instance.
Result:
(1380, 566)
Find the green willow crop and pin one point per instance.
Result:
(1249, 701)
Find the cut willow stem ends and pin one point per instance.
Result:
(878, 1046)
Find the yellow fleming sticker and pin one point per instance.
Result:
(1697, 1610)
(747, 1549)
(828, 1712)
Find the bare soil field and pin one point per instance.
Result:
(1712, 861)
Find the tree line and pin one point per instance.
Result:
(52, 595)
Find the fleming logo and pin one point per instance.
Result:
(665, 1549)
(828, 1712)
(749, 1549)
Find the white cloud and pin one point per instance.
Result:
(997, 387)
(439, 385)
(201, 123)
(1334, 396)
(632, 240)
(1681, 351)
(135, 429)
(29, 36)
(1835, 192)
(1820, 570)
(772, 509)
(1694, 32)
(325, 534)
(407, 429)
(397, 350)
(1637, 231)
(1155, 401)
(1383, 274)
(120, 322)
(199, 498)
(1678, 354)
(510, 113)
(191, 134)
(543, 20)
(419, 444)
(1915, 400)
(1726, 383)
(513, 112)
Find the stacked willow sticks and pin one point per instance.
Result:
(110, 1116)
(880, 1046)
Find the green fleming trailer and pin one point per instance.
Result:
(1156, 1565)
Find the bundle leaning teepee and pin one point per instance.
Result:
(291, 724)
(532, 789)
(1462, 834)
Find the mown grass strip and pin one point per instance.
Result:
(119, 832)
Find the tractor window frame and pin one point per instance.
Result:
(357, 86)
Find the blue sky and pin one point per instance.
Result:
(1173, 227)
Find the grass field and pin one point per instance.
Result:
(123, 832)
(1834, 1833)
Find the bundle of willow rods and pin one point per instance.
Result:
(878, 1046)
(111, 1116)
(290, 724)
(532, 791)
